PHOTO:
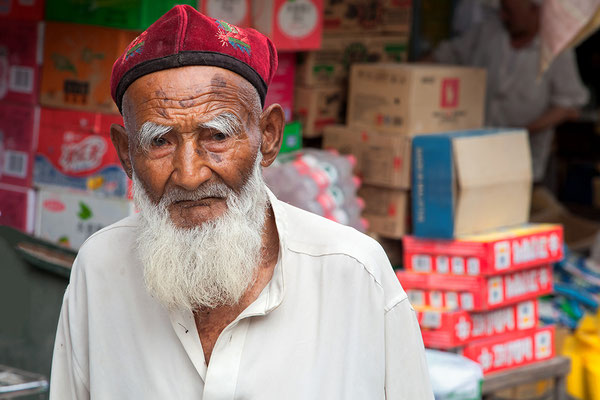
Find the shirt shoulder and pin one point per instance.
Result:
(311, 234)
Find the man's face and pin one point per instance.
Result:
(518, 16)
(191, 128)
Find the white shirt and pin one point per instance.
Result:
(515, 95)
(333, 323)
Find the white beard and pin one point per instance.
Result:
(209, 265)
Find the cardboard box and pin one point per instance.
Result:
(130, 14)
(318, 107)
(410, 99)
(78, 61)
(22, 10)
(381, 159)
(330, 65)
(343, 16)
(234, 12)
(18, 138)
(20, 59)
(291, 25)
(471, 181)
(386, 210)
(450, 329)
(281, 89)
(74, 150)
(494, 253)
(476, 293)
(396, 16)
(70, 217)
(17, 207)
(512, 350)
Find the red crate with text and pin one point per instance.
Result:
(20, 60)
(496, 252)
(281, 89)
(74, 150)
(443, 329)
(18, 135)
(476, 293)
(17, 207)
(512, 350)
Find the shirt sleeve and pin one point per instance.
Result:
(567, 88)
(68, 380)
(459, 50)
(406, 372)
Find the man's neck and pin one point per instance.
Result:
(211, 322)
(523, 39)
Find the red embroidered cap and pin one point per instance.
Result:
(182, 37)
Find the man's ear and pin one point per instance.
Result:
(120, 140)
(272, 121)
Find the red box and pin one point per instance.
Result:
(512, 350)
(450, 329)
(20, 60)
(476, 293)
(74, 150)
(30, 10)
(291, 25)
(235, 12)
(497, 252)
(281, 89)
(17, 205)
(18, 135)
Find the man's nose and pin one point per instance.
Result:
(191, 167)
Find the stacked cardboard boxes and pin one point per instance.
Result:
(477, 294)
(388, 105)
(356, 31)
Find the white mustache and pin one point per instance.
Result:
(216, 189)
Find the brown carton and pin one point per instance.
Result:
(342, 16)
(411, 99)
(331, 64)
(78, 61)
(317, 108)
(381, 159)
(386, 210)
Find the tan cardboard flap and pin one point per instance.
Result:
(481, 208)
(492, 159)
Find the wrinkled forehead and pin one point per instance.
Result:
(194, 90)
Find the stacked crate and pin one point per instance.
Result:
(477, 295)
(355, 31)
(21, 38)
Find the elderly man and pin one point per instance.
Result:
(217, 290)
(509, 48)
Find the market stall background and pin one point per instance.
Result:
(390, 147)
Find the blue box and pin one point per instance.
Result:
(470, 181)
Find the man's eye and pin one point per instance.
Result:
(159, 141)
(219, 136)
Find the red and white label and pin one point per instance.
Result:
(512, 350)
(476, 293)
(450, 92)
(516, 249)
(450, 329)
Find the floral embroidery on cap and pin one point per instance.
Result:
(136, 47)
(234, 36)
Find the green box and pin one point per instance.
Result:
(124, 14)
(292, 137)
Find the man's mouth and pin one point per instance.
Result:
(204, 202)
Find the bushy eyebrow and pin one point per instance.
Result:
(150, 131)
(226, 123)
